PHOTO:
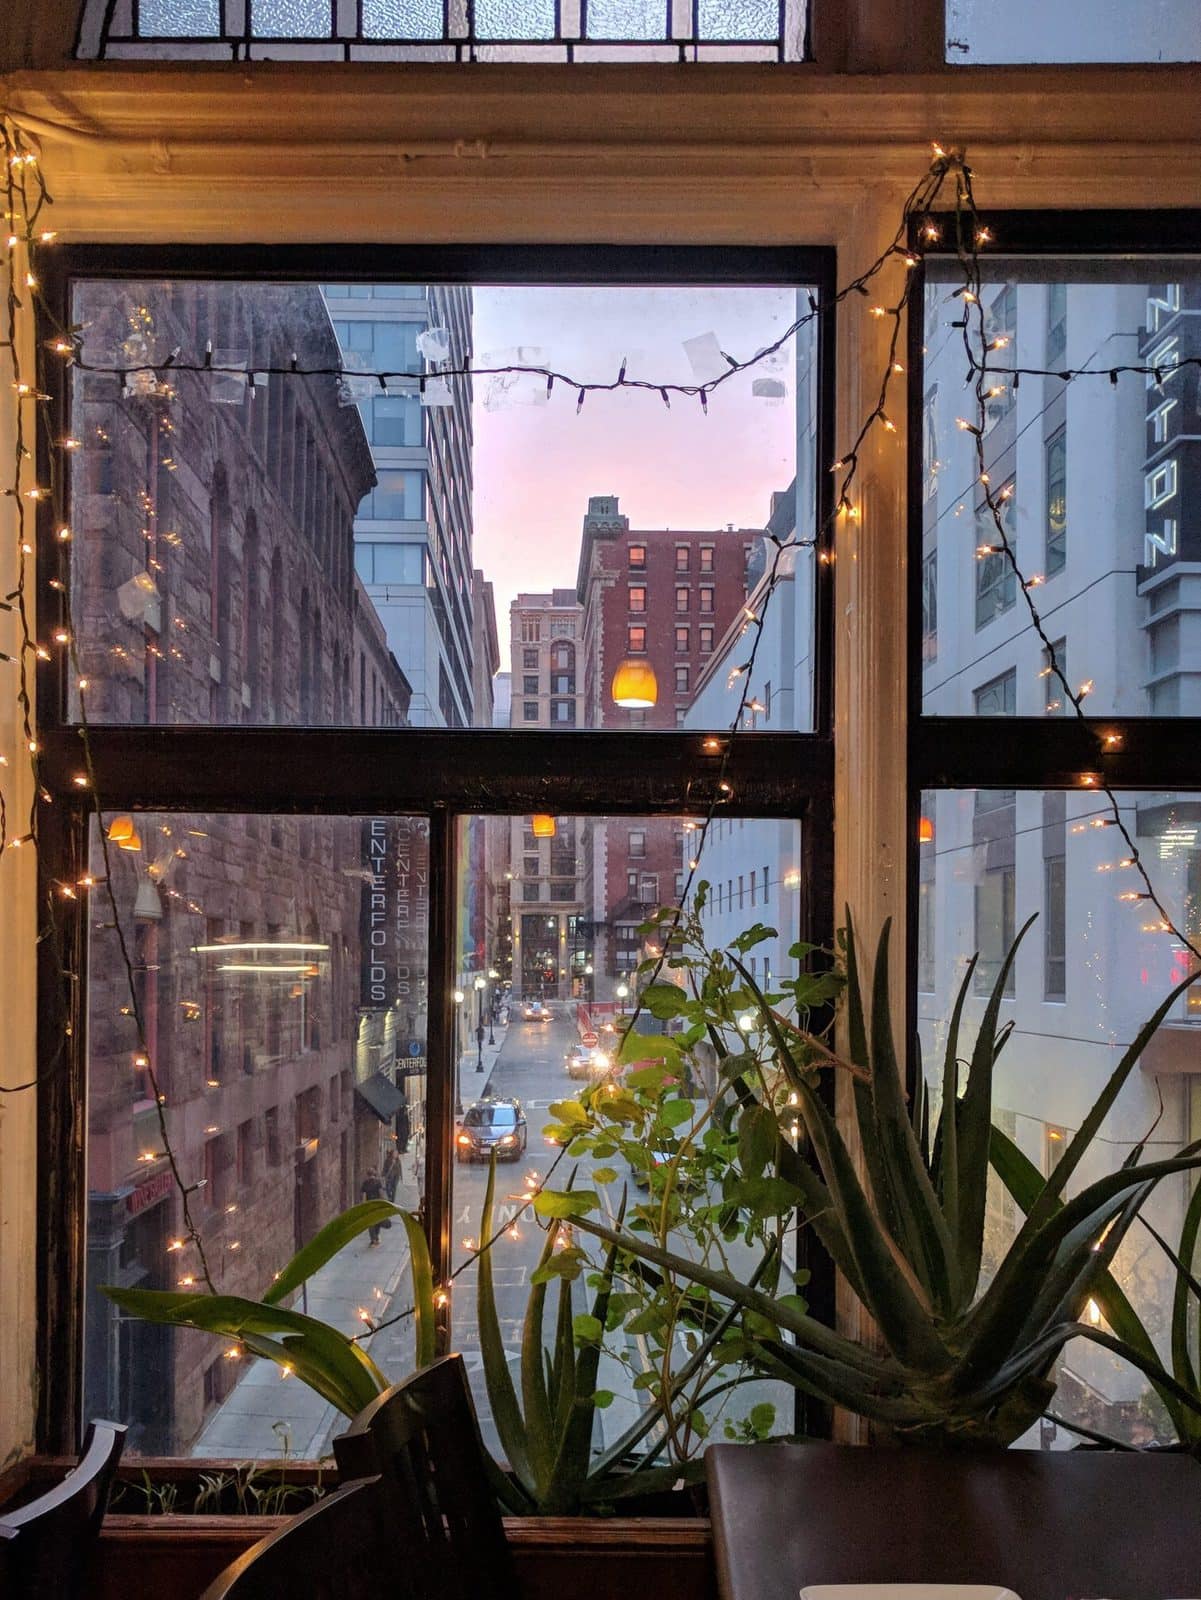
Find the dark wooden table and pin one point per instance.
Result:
(1061, 1525)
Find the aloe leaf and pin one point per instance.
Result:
(1024, 1182)
(948, 1123)
(862, 1089)
(839, 1385)
(1186, 1286)
(535, 1394)
(1020, 1276)
(498, 1380)
(815, 1197)
(1152, 1370)
(904, 1320)
(324, 1245)
(806, 1328)
(974, 1114)
(1091, 1125)
(329, 1362)
(563, 1384)
(927, 1243)
(421, 1271)
(649, 1418)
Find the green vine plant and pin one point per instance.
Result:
(960, 1359)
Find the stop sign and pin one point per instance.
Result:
(589, 1040)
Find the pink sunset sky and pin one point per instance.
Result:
(537, 463)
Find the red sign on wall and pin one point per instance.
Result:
(148, 1193)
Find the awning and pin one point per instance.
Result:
(382, 1095)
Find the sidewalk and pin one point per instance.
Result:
(268, 1415)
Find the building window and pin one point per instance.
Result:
(637, 558)
(1054, 928)
(707, 601)
(682, 558)
(648, 887)
(562, 683)
(529, 711)
(993, 927)
(529, 658)
(531, 630)
(1055, 701)
(682, 640)
(706, 558)
(681, 680)
(682, 597)
(1057, 323)
(636, 842)
(1056, 466)
(637, 597)
(397, 497)
(930, 606)
(636, 641)
(706, 634)
(562, 713)
(529, 685)
(996, 586)
(998, 697)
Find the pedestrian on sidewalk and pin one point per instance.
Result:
(391, 1173)
(373, 1189)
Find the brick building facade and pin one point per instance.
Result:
(663, 597)
(214, 583)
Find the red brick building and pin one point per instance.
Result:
(664, 597)
(214, 582)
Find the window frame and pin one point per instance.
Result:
(1025, 752)
(441, 774)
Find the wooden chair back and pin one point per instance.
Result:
(422, 1438)
(337, 1549)
(46, 1545)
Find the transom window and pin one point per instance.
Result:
(429, 30)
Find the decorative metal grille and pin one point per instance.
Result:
(443, 30)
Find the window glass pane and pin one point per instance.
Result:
(1105, 511)
(738, 19)
(515, 19)
(1088, 974)
(627, 19)
(402, 19)
(279, 964)
(167, 17)
(215, 578)
(1061, 30)
(548, 975)
(291, 19)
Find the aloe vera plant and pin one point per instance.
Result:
(329, 1361)
(957, 1362)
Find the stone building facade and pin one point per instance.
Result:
(214, 583)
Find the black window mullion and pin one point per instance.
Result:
(441, 1055)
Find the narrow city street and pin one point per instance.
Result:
(267, 1415)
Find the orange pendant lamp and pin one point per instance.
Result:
(635, 687)
(542, 827)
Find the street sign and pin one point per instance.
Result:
(589, 1040)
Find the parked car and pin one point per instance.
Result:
(534, 1011)
(491, 1125)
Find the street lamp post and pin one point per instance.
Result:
(458, 999)
(493, 975)
(623, 993)
(480, 985)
